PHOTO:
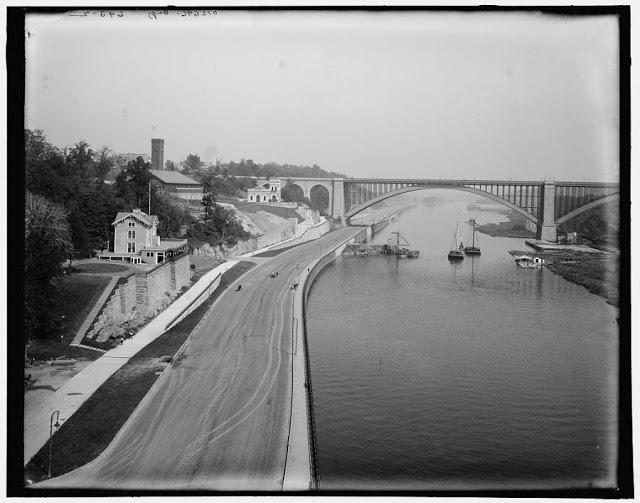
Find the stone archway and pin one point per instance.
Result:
(320, 196)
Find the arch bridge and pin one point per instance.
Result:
(546, 203)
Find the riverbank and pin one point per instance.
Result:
(514, 228)
(597, 271)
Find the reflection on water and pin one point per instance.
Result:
(430, 374)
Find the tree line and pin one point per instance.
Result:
(73, 195)
(195, 168)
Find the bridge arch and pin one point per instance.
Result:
(586, 207)
(308, 185)
(412, 188)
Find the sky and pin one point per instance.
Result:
(419, 94)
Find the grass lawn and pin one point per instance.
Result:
(99, 267)
(91, 429)
(77, 294)
(598, 274)
(506, 229)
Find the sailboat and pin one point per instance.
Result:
(456, 252)
(473, 249)
(399, 250)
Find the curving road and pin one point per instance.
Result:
(219, 417)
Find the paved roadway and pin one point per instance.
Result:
(219, 418)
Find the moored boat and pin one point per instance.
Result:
(398, 250)
(473, 249)
(529, 262)
(457, 250)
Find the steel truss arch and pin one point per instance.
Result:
(587, 207)
(357, 209)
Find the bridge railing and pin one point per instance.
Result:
(311, 424)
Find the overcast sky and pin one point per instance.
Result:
(417, 94)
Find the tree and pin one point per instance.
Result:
(192, 163)
(208, 197)
(292, 193)
(79, 162)
(44, 168)
(95, 211)
(170, 166)
(171, 217)
(47, 246)
(132, 184)
(104, 163)
(319, 198)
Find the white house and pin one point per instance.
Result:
(136, 240)
(268, 192)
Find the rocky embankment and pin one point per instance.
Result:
(360, 250)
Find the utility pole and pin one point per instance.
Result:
(51, 426)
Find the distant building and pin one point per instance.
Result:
(268, 192)
(136, 240)
(127, 158)
(174, 182)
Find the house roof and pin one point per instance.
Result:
(174, 177)
(140, 215)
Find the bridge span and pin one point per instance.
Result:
(546, 203)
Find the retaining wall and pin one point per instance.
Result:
(144, 293)
(328, 257)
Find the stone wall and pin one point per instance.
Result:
(144, 294)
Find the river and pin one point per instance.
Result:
(478, 375)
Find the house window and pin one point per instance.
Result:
(131, 247)
(131, 234)
(132, 224)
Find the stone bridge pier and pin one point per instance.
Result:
(335, 187)
(546, 230)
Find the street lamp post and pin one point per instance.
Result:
(51, 426)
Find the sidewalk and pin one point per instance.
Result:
(69, 397)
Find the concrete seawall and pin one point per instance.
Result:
(301, 473)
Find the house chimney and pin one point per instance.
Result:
(157, 153)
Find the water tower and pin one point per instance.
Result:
(157, 153)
